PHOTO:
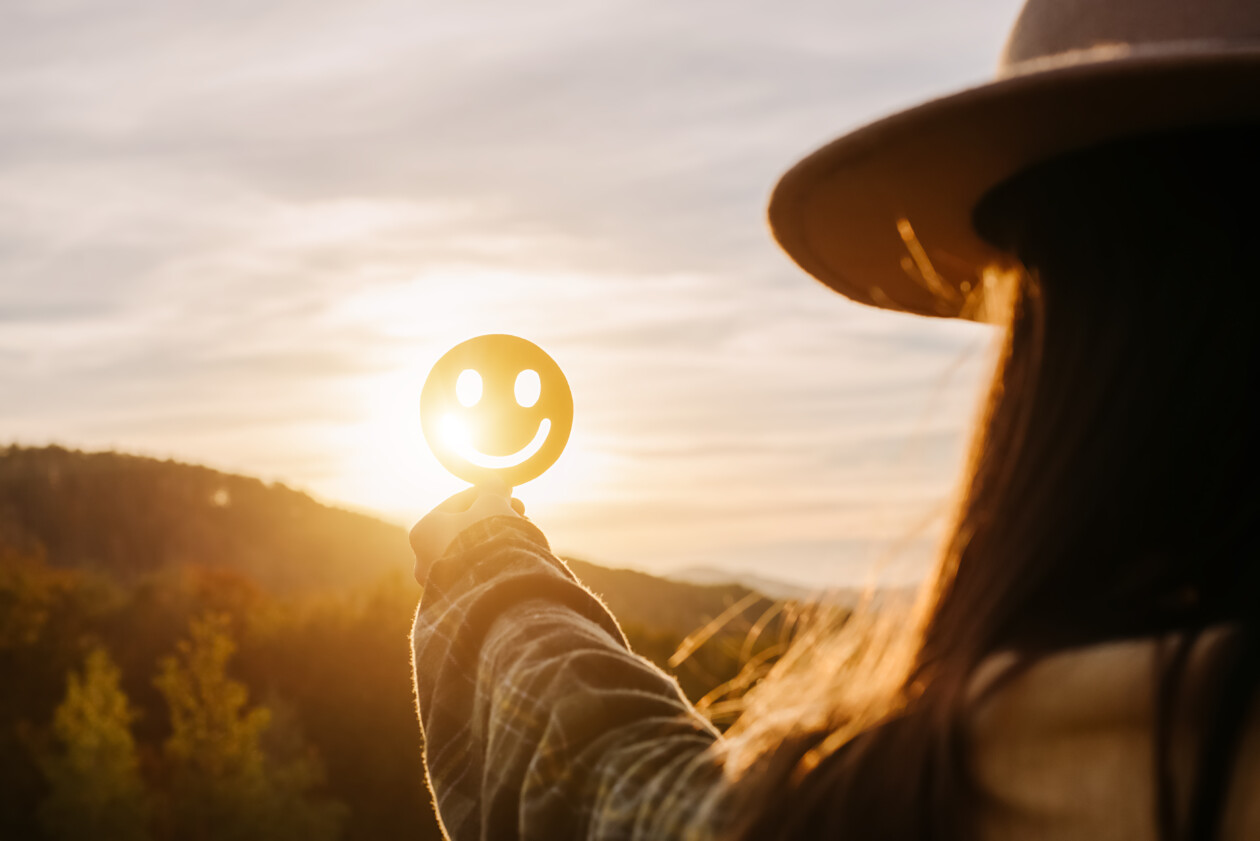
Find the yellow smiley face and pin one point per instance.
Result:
(496, 407)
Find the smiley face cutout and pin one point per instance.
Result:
(496, 407)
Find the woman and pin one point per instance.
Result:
(1088, 652)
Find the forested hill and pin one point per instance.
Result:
(129, 516)
(131, 588)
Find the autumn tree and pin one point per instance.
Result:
(223, 784)
(93, 775)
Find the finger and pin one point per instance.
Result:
(461, 501)
(418, 537)
(460, 510)
(490, 505)
(518, 506)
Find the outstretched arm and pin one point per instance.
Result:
(539, 722)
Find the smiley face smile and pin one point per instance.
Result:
(457, 437)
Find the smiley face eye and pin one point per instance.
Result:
(528, 388)
(468, 388)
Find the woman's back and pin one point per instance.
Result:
(1065, 751)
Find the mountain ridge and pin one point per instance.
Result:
(134, 516)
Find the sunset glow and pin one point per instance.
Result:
(249, 252)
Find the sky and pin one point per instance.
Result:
(240, 233)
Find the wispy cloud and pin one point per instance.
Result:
(239, 233)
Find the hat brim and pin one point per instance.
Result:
(884, 215)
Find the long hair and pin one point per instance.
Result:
(1112, 494)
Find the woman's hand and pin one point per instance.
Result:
(431, 537)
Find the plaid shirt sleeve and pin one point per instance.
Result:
(539, 722)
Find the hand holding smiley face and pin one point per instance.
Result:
(496, 409)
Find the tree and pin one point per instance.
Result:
(94, 779)
(223, 785)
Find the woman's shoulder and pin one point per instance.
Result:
(1107, 684)
(1063, 746)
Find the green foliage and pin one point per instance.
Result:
(222, 784)
(95, 789)
(26, 596)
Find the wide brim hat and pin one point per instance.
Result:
(884, 215)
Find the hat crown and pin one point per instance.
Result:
(1049, 28)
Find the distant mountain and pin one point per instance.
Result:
(667, 605)
(773, 587)
(849, 597)
(131, 516)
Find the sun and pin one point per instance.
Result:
(374, 457)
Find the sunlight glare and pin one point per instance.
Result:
(379, 456)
